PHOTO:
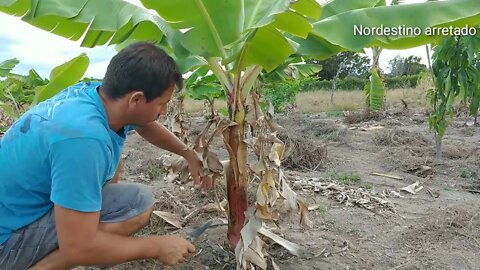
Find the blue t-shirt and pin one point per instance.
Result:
(61, 151)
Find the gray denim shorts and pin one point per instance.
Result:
(28, 245)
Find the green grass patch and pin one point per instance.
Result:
(334, 114)
(367, 186)
(155, 173)
(468, 174)
(346, 178)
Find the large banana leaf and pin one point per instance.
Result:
(211, 24)
(234, 29)
(63, 76)
(339, 29)
(228, 29)
(318, 47)
(340, 6)
(98, 22)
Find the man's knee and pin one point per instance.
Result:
(145, 198)
(142, 220)
(127, 227)
(127, 208)
(124, 201)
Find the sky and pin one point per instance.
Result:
(42, 51)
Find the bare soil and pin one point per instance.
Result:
(436, 228)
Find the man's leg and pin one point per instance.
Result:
(126, 208)
(128, 227)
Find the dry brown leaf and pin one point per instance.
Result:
(250, 116)
(287, 193)
(293, 248)
(214, 207)
(258, 167)
(273, 156)
(248, 234)
(222, 125)
(304, 219)
(271, 138)
(272, 125)
(171, 218)
(254, 255)
(413, 188)
(275, 265)
(264, 213)
(213, 162)
(267, 193)
(279, 148)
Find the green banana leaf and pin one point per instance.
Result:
(98, 22)
(7, 66)
(339, 29)
(245, 33)
(375, 92)
(62, 77)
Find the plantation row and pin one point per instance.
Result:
(356, 83)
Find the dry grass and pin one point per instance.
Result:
(196, 106)
(319, 101)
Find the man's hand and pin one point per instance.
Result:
(196, 170)
(172, 250)
(161, 137)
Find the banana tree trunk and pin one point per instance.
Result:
(237, 173)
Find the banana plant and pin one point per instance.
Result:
(18, 92)
(203, 86)
(374, 91)
(238, 39)
(456, 77)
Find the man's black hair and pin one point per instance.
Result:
(144, 67)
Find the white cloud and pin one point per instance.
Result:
(42, 51)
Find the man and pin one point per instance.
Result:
(57, 207)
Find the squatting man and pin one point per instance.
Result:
(59, 206)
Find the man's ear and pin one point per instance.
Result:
(136, 98)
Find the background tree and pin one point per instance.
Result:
(343, 65)
(405, 66)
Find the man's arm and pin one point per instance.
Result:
(161, 137)
(82, 243)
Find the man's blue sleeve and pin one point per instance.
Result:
(79, 168)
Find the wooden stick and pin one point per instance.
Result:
(387, 175)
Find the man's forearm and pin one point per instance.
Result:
(110, 249)
(161, 137)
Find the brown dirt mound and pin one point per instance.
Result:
(408, 159)
(454, 223)
(319, 130)
(361, 116)
(458, 151)
(447, 235)
(295, 122)
(398, 137)
(302, 152)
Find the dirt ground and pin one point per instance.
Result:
(365, 221)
